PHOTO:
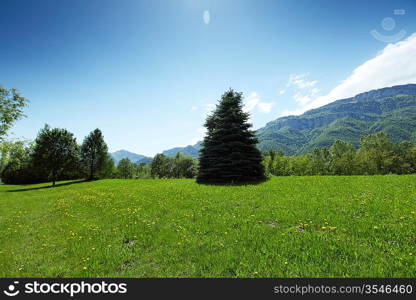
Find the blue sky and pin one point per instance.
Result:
(146, 72)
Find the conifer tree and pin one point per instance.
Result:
(229, 154)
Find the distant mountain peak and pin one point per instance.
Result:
(190, 150)
(123, 151)
(134, 157)
(389, 109)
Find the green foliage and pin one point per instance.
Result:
(180, 166)
(160, 166)
(315, 226)
(405, 158)
(342, 158)
(55, 156)
(18, 165)
(94, 154)
(22, 173)
(184, 166)
(377, 155)
(125, 169)
(229, 154)
(11, 109)
(321, 159)
(143, 171)
(108, 169)
(11, 151)
(57, 153)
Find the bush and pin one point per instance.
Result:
(22, 173)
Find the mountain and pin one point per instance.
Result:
(392, 110)
(145, 160)
(191, 150)
(119, 155)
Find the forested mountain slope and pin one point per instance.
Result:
(392, 110)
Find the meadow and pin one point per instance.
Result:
(316, 226)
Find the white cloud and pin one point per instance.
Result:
(202, 130)
(281, 92)
(314, 91)
(298, 81)
(194, 108)
(253, 102)
(206, 17)
(290, 112)
(201, 133)
(209, 107)
(303, 89)
(195, 140)
(302, 99)
(265, 107)
(394, 65)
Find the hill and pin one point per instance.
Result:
(392, 110)
(134, 157)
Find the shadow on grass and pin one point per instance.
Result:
(48, 186)
(240, 183)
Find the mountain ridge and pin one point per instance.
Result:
(390, 109)
(190, 150)
(134, 157)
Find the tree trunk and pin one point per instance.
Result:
(92, 168)
(53, 178)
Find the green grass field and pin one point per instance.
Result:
(357, 226)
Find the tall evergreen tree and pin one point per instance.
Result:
(56, 152)
(94, 153)
(229, 154)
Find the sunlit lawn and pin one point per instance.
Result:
(358, 226)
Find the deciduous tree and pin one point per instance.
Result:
(56, 152)
(11, 109)
(125, 169)
(94, 153)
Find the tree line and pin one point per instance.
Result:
(376, 155)
(228, 156)
(55, 155)
(162, 166)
